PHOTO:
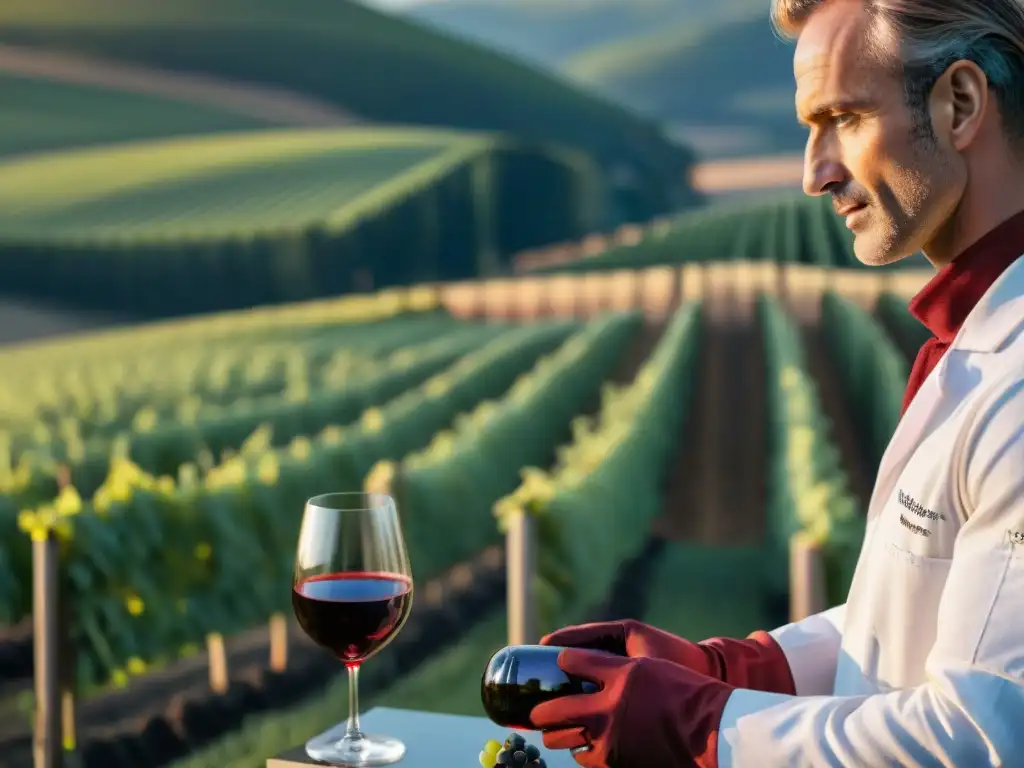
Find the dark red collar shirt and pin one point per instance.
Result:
(948, 298)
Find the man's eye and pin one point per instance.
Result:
(841, 120)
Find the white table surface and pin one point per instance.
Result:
(423, 733)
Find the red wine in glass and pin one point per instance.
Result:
(352, 614)
(351, 594)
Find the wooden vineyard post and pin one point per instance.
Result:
(67, 670)
(278, 642)
(806, 578)
(520, 567)
(47, 749)
(217, 655)
(67, 659)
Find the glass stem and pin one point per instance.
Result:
(352, 733)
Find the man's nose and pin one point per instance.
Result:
(821, 172)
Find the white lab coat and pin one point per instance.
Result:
(924, 664)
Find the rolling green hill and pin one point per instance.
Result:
(732, 108)
(40, 115)
(645, 53)
(236, 220)
(552, 31)
(379, 67)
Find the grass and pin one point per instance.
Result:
(40, 115)
(700, 593)
(376, 66)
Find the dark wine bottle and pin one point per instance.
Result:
(519, 677)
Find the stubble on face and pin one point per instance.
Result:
(866, 147)
(903, 215)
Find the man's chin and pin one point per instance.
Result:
(874, 252)
(869, 255)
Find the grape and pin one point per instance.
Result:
(516, 752)
(490, 752)
(515, 742)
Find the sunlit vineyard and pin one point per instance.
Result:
(173, 461)
(344, 250)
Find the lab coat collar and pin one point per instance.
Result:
(997, 316)
(944, 304)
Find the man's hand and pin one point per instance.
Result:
(636, 640)
(756, 662)
(647, 712)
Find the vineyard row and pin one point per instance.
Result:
(154, 563)
(593, 507)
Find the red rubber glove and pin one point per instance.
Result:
(756, 663)
(648, 713)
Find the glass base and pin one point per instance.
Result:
(355, 753)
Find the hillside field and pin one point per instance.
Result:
(237, 220)
(381, 68)
(40, 115)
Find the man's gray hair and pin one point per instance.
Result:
(927, 36)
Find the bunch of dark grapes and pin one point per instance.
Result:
(515, 753)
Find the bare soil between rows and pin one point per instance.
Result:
(716, 492)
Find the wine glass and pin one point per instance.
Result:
(352, 594)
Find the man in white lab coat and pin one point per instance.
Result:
(915, 111)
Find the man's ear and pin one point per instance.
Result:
(958, 102)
